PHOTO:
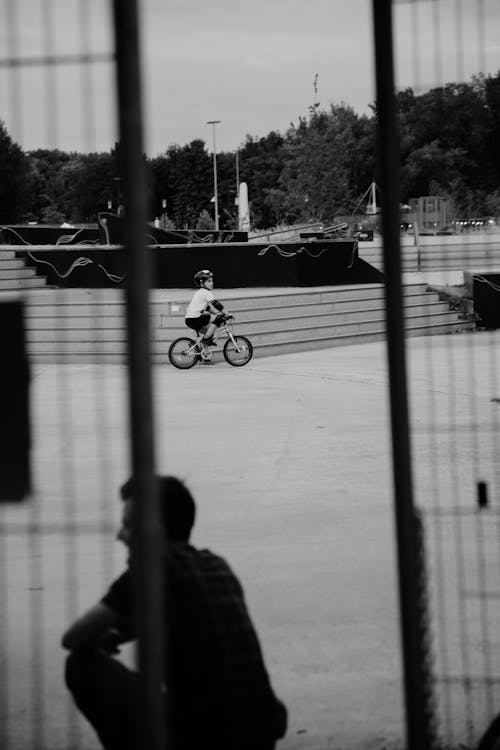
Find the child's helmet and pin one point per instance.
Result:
(202, 276)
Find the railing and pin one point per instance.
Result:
(292, 232)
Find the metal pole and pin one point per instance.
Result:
(237, 176)
(415, 688)
(213, 123)
(145, 551)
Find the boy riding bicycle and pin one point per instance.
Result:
(204, 311)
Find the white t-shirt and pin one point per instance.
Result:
(200, 300)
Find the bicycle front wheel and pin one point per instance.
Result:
(238, 351)
(183, 353)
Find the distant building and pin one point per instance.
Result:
(432, 213)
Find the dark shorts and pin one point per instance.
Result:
(197, 323)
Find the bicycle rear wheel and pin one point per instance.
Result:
(238, 353)
(183, 353)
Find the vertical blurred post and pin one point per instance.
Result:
(213, 123)
(146, 549)
(15, 441)
(417, 689)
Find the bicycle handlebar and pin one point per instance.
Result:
(222, 318)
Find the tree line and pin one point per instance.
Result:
(315, 171)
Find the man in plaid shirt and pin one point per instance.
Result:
(218, 691)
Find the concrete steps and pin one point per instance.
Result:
(20, 282)
(90, 325)
(9, 264)
(14, 275)
(455, 254)
(326, 326)
(17, 273)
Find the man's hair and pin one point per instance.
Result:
(176, 503)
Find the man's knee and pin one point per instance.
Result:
(76, 670)
(82, 670)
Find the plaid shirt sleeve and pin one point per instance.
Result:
(119, 596)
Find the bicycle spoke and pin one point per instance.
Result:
(238, 351)
(183, 353)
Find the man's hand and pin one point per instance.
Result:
(113, 638)
(90, 627)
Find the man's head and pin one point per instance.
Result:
(176, 505)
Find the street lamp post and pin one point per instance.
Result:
(213, 123)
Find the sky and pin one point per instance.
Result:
(251, 65)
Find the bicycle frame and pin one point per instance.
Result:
(226, 328)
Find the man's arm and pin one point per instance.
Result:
(215, 307)
(87, 629)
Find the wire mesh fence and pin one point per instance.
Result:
(56, 551)
(454, 385)
(56, 60)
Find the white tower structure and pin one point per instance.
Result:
(243, 208)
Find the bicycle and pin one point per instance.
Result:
(185, 352)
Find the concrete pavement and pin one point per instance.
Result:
(289, 459)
